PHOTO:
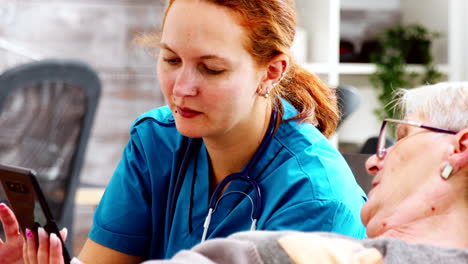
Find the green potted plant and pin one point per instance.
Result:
(400, 45)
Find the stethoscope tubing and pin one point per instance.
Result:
(187, 145)
(239, 176)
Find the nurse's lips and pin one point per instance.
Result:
(187, 112)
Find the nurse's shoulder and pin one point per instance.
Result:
(318, 160)
(299, 136)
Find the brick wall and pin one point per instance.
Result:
(99, 32)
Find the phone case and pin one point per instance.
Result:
(27, 201)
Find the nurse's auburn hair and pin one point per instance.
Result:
(270, 26)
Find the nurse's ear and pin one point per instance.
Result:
(276, 70)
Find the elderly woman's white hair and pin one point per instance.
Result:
(443, 105)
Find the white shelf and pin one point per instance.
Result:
(320, 23)
(361, 68)
(317, 68)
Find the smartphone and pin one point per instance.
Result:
(27, 201)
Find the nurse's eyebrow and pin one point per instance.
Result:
(165, 46)
(211, 57)
(223, 61)
(204, 57)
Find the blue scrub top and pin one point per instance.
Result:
(305, 182)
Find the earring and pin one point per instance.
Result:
(282, 77)
(266, 94)
(446, 171)
(268, 90)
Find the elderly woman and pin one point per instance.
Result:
(417, 211)
(420, 189)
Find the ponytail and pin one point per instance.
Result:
(315, 102)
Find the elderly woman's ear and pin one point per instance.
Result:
(459, 158)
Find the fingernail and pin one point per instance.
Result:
(65, 231)
(29, 233)
(54, 241)
(75, 261)
(41, 232)
(2, 206)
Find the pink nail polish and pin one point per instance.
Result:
(2, 206)
(29, 233)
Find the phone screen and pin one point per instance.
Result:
(22, 193)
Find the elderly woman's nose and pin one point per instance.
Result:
(374, 165)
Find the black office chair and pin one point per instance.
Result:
(46, 113)
(349, 100)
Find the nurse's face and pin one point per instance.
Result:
(207, 77)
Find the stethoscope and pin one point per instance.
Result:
(243, 175)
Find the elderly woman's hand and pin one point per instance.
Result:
(10, 249)
(14, 250)
(45, 248)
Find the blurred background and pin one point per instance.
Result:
(334, 41)
(100, 33)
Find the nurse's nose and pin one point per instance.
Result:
(374, 164)
(185, 83)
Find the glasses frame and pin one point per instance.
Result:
(381, 150)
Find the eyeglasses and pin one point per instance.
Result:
(381, 150)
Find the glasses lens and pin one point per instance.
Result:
(381, 141)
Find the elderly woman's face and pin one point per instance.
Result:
(208, 78)
(402, 177)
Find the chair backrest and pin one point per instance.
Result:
(349, 100)
(46, 113)
(357, 163)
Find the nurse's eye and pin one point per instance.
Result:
(172, 61)
(211, 70)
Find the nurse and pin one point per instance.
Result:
(225, 70)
